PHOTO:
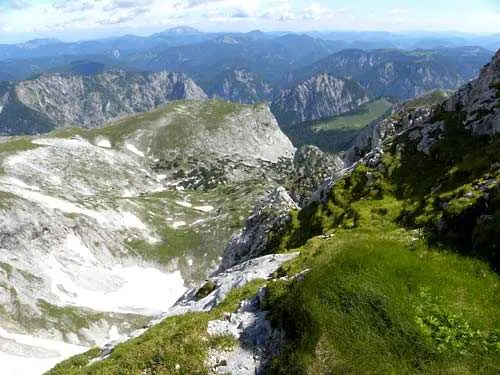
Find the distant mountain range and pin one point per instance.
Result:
(88, 93)
(204, 56)
(184, 35)
(304, 77)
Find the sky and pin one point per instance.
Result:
(68, 20)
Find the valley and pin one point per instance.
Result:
(337, 133)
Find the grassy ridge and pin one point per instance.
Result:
(378, 298)
(406, 282)
(372, 304)
(184, 119)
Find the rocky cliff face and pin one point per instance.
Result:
(311, 167)
(476, 104)
(269, 214)
(310, 171)
(320, 96)
(240, 86)
(480, 100)
(63, 99)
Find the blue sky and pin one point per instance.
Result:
(82, 19)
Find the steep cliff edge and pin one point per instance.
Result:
(320, 96)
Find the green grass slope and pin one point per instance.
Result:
(378, 298)
(336, 133)
(183, 117)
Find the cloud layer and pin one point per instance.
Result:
(25, 16)
(81, 17)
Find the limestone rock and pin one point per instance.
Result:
(320, 96)
(55, 100)
(251, 242)
(480, 99)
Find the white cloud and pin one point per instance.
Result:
(224, 14)
(279, 13)
(286, 12)
(127, 4)
(19, 4)
(399, 15)
(316, 11)
(129, 15)
(196, 3)
(73, 5)
(78, 14)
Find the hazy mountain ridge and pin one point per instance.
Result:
(269, 58)
(120, 45)
(183, 35)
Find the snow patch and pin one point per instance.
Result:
(108, 218)
(134, 150)
(184, 204)
(17, 183)
(130, 289)
(103, 142)
(178, 224)
(28, 355)
(75, 246)
(204, 208)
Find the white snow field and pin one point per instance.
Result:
(64, 224)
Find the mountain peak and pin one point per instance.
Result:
(40, 42)
(182, 30)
